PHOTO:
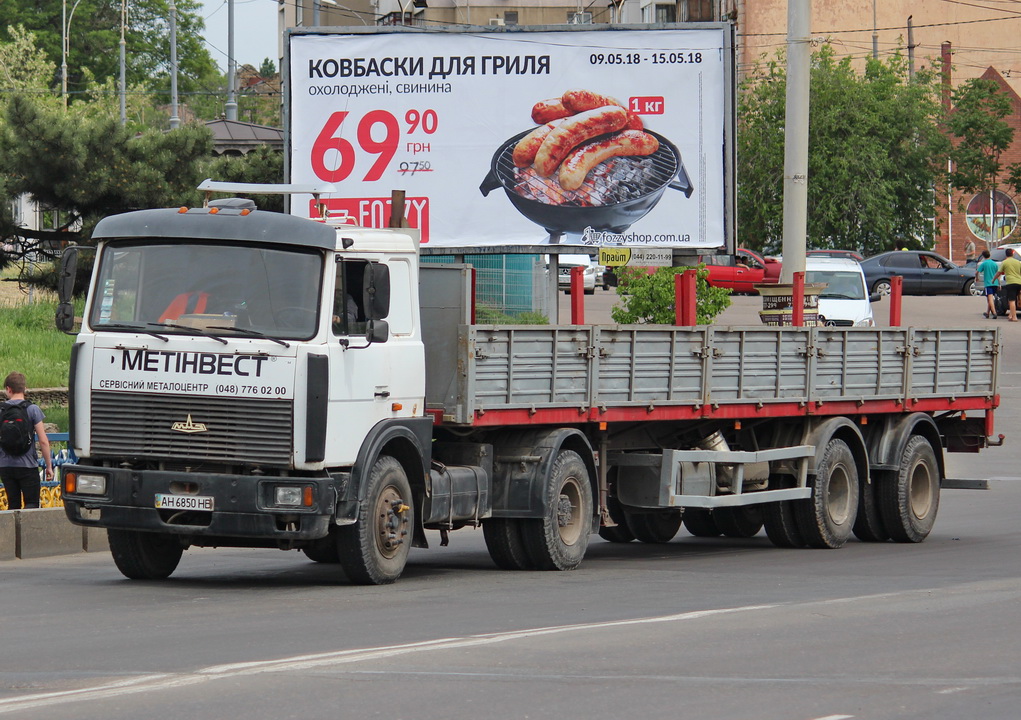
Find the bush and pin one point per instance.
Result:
(650, 298)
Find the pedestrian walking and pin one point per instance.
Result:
(986, 274)
(969, 252)
(19, 464)
(1010, 270)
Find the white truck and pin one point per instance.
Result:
(251, 379)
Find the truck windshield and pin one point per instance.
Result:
(252, 289)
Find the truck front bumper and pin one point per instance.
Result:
(243, 506)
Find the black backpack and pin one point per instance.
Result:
(15, 428)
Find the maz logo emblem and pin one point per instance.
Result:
(189, 427)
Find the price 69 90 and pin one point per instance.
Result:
(334, 158)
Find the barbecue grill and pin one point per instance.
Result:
(623, 204)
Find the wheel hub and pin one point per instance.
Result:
(391, 522)
(569, 523)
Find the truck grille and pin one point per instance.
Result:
(238, 430)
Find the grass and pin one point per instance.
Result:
(31, 344)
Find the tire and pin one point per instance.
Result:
(144, 555)
(778, 518)
(558, 540)
(621, 533)
(869, 525)
(375, 549)
(827, 518)
(909, 502)
(701, 523)
(505, 543)
(739, 522)
(323, 550)
(882, 287)
(655, 528)
(974, 289)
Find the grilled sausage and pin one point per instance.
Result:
(575, 130)
(576, 167)
(546, 110)
(582, 100)
(524, 151)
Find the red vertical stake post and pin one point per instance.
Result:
(896, 292)
(798, 300)
(685, 314)
(578, 296)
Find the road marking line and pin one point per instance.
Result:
(836, 717)
(163, 681)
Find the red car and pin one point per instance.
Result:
(741, 272)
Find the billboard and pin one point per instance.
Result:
(597, 137)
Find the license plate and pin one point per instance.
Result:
(184, 502)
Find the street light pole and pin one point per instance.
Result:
(231, 109)
(175, 121)
(65, 45)
(123, 82)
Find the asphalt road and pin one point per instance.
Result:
(719, 629)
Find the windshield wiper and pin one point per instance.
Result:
(197, 330)
(838, 296)
(131, 326)
(248, 331)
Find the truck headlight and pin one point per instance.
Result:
(85, 484)
(293, 496)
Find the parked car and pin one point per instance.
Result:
(845, 301)
(741, 272)
(593, 272)
(848, 254)
(998, 253)
(924, 273)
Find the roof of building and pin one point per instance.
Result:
(238, 136)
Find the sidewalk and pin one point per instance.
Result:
(43, 532)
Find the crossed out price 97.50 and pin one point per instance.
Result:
(378, 133)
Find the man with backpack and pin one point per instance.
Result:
(19, 467)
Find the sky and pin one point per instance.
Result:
(255, 31)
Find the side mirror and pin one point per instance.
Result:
(377, 331)
(376, 291)
(68, 267)
(64, 319)
(875, 297)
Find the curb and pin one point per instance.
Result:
(45, 532)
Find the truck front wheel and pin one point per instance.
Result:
(375, 549)
(144, 555)
(826, 519)
(909, 501)
(558, 540)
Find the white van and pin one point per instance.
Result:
(845, 301)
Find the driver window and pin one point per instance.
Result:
(348, 315)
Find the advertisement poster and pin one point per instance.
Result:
(598, 138)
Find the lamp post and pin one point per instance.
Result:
(231, 108)
(175, 121)
(123, 82)
(65, 45)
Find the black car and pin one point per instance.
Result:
(924, 273)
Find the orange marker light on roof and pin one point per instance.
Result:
(214, 210)
(182, 209)
(246, 211)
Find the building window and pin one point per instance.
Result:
(696, 11)
(510, 17)
(991, 227)
(666, 13)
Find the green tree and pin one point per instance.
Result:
(649, 298)
(94, 41)
(876, 152)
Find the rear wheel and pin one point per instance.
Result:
(505, 543)
(375, 549)
(144, 555)
(701, 523)
(558, 540)
(779, 517)
(909, 503)
(882, 287)
(654, 527)
(827, 517)
(868, 526)
(738, 522)
(970, 288)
